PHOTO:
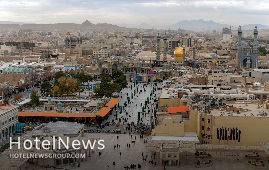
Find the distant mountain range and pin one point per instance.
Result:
(252, 26)
(10, 25)
(140, 26)
(198, 25)
(11, 22)
(195, 25)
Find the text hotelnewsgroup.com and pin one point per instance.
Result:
(46, 155)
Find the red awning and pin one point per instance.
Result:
(178, 109)
(112, 102)
(103, 111)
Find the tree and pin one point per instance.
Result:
(59, 74)
(119, 78)
(6, 101)
(116, 73)
(67, 85)
(82, 77)
(262, 51)
(46, 86)
(55, 91)
(97, 91)
(105, 84)
(110, 84)
(34, 99)
(121, 81)
(21, 88)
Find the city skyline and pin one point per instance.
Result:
(137, 12)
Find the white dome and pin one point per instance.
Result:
(256, 84)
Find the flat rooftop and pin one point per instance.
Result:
(164, 94)
(6, 108)
(189, 136)
(60, 128)
(167, 93)
(245, 109)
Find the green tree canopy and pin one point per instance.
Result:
(67, 85)
(82, 77)
(116, 73)
(111, 83)
(34, 99)
(119, 78)
(46, 86)
(59, 74)
(262, 51)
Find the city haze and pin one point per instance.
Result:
(152, 13)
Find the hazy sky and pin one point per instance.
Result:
(153, 12)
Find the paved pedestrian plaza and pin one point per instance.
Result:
(225, 160)
(137, 102)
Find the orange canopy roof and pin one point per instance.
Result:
(103, 111)
(56, 114)
(178, 109)
(112, 102)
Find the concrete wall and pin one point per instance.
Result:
(253, 129)
(173, 102)
(191, 124)
(170, 127)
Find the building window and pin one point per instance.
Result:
(203, 119)
(208, 120)
(169, 155)
(208, 129)
(203, 128)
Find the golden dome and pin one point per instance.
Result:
(214, 63)
(178, 54)
(178, 51)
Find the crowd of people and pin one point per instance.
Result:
(137, 106)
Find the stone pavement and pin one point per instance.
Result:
(123, 156)
(133, 155)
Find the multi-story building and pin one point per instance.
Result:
(71, 42)
(227, 34)
(172, 135)
(8, 120)
(173, 43)
(102, 52)
(230, 125)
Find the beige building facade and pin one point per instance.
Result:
(233, 130)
